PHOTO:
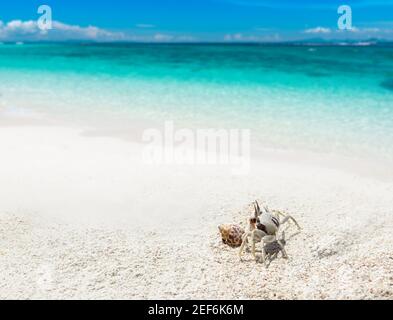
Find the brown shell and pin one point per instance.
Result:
(231, 234)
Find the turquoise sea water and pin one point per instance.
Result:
(328, 99)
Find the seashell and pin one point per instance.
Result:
(231, 234)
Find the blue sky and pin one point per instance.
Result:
(195, 20)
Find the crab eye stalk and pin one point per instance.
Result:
(257, 208)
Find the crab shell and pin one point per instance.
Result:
(231, 234)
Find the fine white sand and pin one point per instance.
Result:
(82, 217)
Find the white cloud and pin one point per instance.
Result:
(234, 37)
(89, 32)
(318, 30)
(18, 30)
(162, 37)
(239, 37)
(364, 30)
(23, 27)
(21, 31)
(383, 33)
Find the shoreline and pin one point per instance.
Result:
(81, 218)
(130, 130)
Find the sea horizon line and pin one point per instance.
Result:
(343, 43)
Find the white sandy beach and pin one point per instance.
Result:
(82, 217)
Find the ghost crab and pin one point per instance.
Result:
(264, 227)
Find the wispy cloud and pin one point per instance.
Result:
(18, 30)
(383, 33)
(365, 30)
(355, 33)
(163, 37)
(318, 30)
(239, 37)
(21, 31)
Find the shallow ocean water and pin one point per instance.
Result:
(330, 99)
